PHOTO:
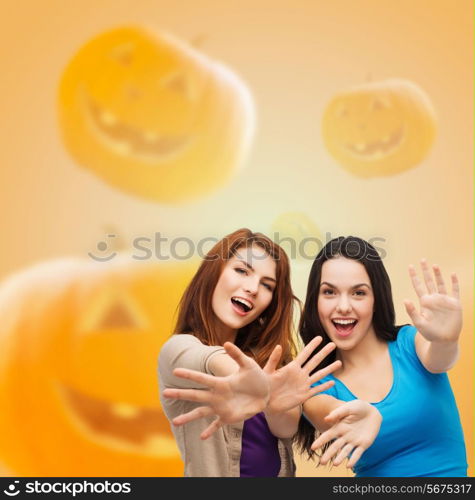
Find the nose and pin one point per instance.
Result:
(251, 285)
(344, 304)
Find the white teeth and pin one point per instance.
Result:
(344, 321)
(244, 301)
(125, 411)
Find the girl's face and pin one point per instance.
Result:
(244, 289)
(345, 302)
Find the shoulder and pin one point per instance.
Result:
(406, 345)
(406, 338)
(180, 339)
(185, 351)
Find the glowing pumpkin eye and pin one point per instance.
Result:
(177, 82)
(124, 54)
(342, 111)
(118, 316)
(379, 105)
(113, 311)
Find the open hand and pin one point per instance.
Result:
(440, 316)
(290, 385)
(232, 399)
(354, 427)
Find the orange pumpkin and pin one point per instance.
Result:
(78, 368)
(379, 128)
(152, 116)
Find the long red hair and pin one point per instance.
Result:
(275, 326)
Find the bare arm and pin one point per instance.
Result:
(222, 365)
(316, 409)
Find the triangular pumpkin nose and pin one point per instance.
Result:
(118, 316)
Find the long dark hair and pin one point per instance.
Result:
(259, 337)
(384, 317)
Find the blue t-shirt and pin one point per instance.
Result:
(421, 434)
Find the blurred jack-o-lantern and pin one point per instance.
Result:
(154, 117)
(78, 368)
(379, 128)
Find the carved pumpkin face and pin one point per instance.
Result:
(152, 116)
(78, 371)
(379, 128)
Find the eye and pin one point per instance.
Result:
(240, 270)
(360, 293)
(177, 82)
(327, 291)
(379, 104)
(269, 287)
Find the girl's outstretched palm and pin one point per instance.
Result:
(232, 399)
(290, 386)
(439, 317)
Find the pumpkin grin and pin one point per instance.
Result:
(129, 427)
(378, 149)
(132, 141)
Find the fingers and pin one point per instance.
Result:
(319, 357)
(189, 394)
(202, 411)
(212, 428)
(332, 450)
(273, 360)
(320, 388)
(307, 350)
(416, 283)
(428, 277)
(412, 312)
(439, 280)
(325, 371)
(355, 456)
(455, 286)
(338, 413)
(195, 376)
(344, 452)
(324, 438)
(234, 352)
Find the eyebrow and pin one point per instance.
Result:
(252, 269)
(353, 287)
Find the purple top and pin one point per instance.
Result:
(260, 452)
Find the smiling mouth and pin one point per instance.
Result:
(132, 428)
(377, 149)
(128, 140)
(242, 306)
(344, 327)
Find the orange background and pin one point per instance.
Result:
(293, 56)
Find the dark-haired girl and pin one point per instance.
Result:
(392, 410)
